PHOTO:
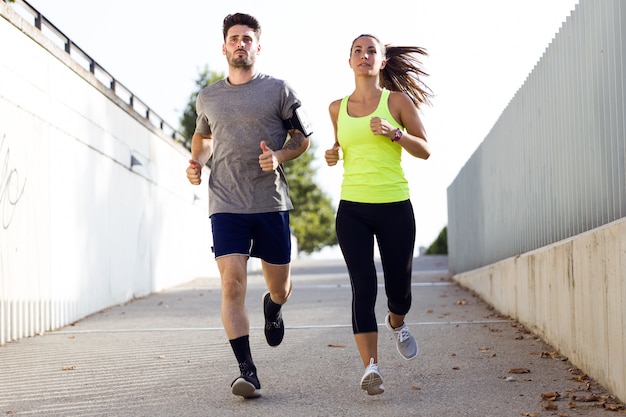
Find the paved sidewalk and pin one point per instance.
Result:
(167, 355)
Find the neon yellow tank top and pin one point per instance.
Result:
(371, 164)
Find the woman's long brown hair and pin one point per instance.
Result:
(404, 71)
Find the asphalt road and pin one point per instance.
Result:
(167, 355)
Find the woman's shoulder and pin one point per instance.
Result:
(398, 95)
(399, 99)
(339, 100)
(335, 103)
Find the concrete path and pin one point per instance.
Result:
(167, 355)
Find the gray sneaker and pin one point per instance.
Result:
(405, 342)
(372, 380)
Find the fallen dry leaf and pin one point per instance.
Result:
(531, 414)
(161, 357)
(575, 371)
(586, 399)
(414, 388)
(68, 368)
(336, 345)
(549, 405)
(551, 395)
(614, 406)
(455, 368)
(519, 371)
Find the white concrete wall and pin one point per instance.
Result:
(570, 293)
(80, 229)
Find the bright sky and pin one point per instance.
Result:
(481, 52)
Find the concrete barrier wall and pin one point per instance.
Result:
(570, 293)
(536, 217)
(95, 208)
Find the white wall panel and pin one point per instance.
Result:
(80, 229)
(553, 165)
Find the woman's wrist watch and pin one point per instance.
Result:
(397, 136)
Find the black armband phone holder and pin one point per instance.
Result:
(299, 120)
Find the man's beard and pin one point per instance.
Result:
(244, 62)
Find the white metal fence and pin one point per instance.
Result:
(553, 164)
(95, 208)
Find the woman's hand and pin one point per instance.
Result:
(382, 127)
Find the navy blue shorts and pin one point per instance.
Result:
(263, 235)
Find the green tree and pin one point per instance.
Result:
(440, 245)
(313, 217)
(188, 119)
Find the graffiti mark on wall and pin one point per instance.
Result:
(11, 186)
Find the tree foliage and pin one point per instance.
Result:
(313, 217)
(188, 119)
(440, 245)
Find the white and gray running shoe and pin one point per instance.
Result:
(372, 380)
(405, 342)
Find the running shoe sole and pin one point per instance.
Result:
(372, 383)
(245, 389)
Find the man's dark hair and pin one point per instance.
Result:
(241, 19)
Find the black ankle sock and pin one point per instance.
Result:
(271, 309)
(241, 349)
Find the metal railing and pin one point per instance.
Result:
(29, 13)
(553, 165)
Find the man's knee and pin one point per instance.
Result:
(280, 289)
(281, 295)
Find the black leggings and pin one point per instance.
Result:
(393, 224)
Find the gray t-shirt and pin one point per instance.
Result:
(239, 117)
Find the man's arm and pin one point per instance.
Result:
(297, 144)
(294, 147)
(201, 147)
(201, 151)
